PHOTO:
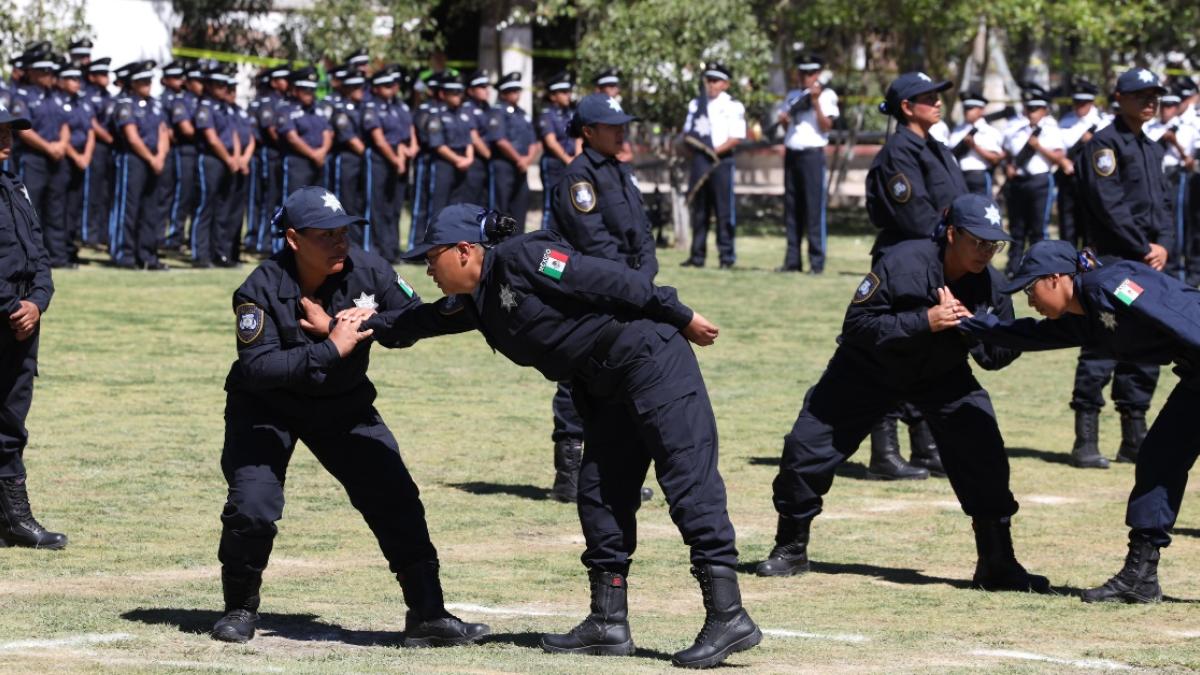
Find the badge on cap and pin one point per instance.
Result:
(1104, 162)
(249, 322)
(899, 189)
(583, 196)
(866, 289)
(408, 290)
(1128, 291)
(992, 214)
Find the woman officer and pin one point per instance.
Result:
(896, 345)
(1128, 311)
(301, 380)
(910, 185)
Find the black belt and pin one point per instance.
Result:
(608, 337)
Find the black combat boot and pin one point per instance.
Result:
(241, 608)
(923, 450)
(1137, 582)
(886, 462)
(790, 555)
(18, 527)
(605, 631)
(727, 627)
(998, 569)
(568, 455)
(1086, 452)
(1133, 432)
(427, 623)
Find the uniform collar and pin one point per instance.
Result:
(289, 284)
(1125, 132)
(480, 292)
(596, 157)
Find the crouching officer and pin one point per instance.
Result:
(306, 379)
(25, 291)
(597, 207)
(897, 345)
(623, 343)
(1130, 312)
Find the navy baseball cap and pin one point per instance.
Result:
(601, 109)
(1049, 256)
(979, 216)
(455, 223)
(18, 123)
(313, 207)
(908, 86)
(1137, 79)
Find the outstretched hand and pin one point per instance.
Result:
(701, 331)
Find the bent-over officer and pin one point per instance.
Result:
(302, 375)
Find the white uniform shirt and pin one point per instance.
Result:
(726, 119)
(1017, 135)
(987, 137)
(940, 133)
(804, 132)
(1185, 135)
(1073, 127)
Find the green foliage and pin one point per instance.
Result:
(223, 25)
(403, 31)
(57, 21)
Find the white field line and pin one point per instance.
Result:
(835, 637)
(501, 611)
(69, 641)
(1090, 664)
(105, 660)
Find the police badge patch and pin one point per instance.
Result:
(583, 196)
(1104, 162)
(899, 189)
(249, 322)
(866, 289)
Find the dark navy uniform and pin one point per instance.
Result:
(451, 128)
(80, 116)
(140, 209)
(554, 121)
(477, 191)
(44, 109)
(271, 159)
(349, 172)
(426, 112)
(1121, 182)
(238, 204)
(509, 188)
(181, 163)
(101, 171)
(214, 182)
(311, 126)
(386, 189)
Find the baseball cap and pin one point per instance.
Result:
(1049, 256)
(313, 207)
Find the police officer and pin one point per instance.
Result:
(101, 170)
(715, 124)
(808, 114)
(388, 128)
(453, 150)
(1178, 141)
(218, 150)
(142, 124)
(239, 201)
(1133, 313)
(1076, 128)
(120, 149)
(1125, 192)
(180, 172)
(479, 108)
(598, 209)
(1035, 149)
(25, 291)
(608, 82)
(74, 169)
(301, 378)
(558, 146)
(898, 344)
(42, 147)
(912, 180)
(426, 111)
(349, 147)
(306, 134)
(80, 52)
(270, 115)
(510, 132)
(976, 145)
(603, 326)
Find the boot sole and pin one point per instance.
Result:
(626, 648)
(1126, 598)
(749, 642)
(791, 572)
(431, 642)
(1037, 584)
(10, 543)
(234, 638)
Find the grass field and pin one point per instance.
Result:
(127, 430)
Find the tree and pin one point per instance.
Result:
(58, 22)
(403, 31)
(223, 25)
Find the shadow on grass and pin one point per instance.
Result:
(1186, 531)
(523, 491)
(1044, 455)
(853, 470)
(303, 627)
(531, 640)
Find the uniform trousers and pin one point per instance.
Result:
(509, 190)
(213, 187)
(447, 185)
(551, 170)
(100, 185)
(1133, 383)
(229, 239)
(646, 403)
(1177, 200)
(804, 206)
(75, 182)
(1029, 200)
(47, 186)
(18, 367)
(567, 422)
(181, 164)
(714, 199)
(357, 449)
(385, 200)
(349, 183)
(1164, 460)
(1191, 245)
(256, 229)
(1072, 216)
(979, 182)
(140, 214)
(839, 411)
(477, 183)
(420, 207)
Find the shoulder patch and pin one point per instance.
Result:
(249, 322)
(1104, 161)
(1128, 291)
(899, 189)
(408, 290)
(583, 196)
(866, 289)
(553, 264)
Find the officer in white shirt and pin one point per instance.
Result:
(1076, 128)
(976, 145)
(1178, 140)
(807, 114)
(715, 124)
(1188, 113)
(1189, 94)
(1035, 148)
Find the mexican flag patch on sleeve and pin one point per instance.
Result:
(404, 286)
(554, 263)
(1127, 292)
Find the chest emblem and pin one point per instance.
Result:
(866, 289)
(1109, 320)
(364, 301)
(583, 196)
(899, 189)
(1128, 291)
(249, 322)
(508, 299)
(702, 126)
(1104, 162)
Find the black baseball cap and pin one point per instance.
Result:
(1137, 79)
(979, 216)
(601, 109)
(908, 86)
(18, 123)
(455, 223)
(1049, 256)
(313, 207)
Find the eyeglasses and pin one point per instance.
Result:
(436, 253)
(931, 98)
(983, 246)
(1028, 288)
